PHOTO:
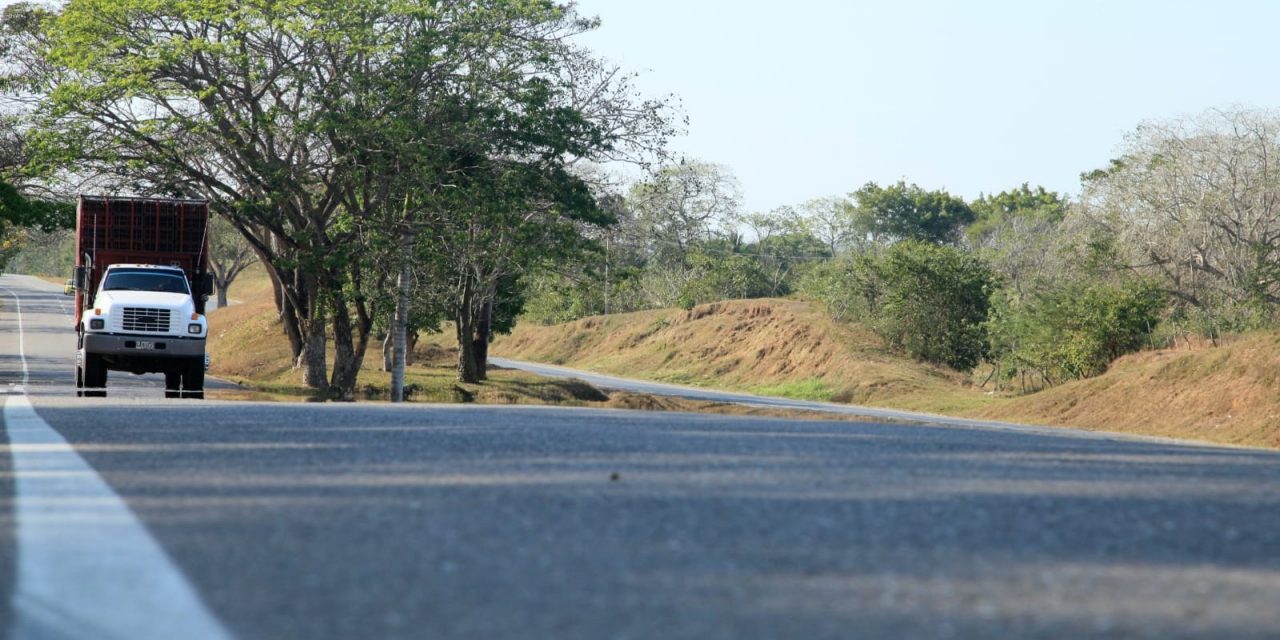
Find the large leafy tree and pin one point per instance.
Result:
(909, 212)
(24, 208)
(500, 220)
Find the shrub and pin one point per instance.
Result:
(1075, 331)
(934, 303)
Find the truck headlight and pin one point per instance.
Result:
(97, 324)
(193, 328)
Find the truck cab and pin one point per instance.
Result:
(143, 320)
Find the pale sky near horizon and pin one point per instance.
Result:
(811, 97)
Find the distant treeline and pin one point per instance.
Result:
(1178, 237)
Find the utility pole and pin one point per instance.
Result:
(400, 321)
(607, 238)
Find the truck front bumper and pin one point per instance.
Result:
(143, 346)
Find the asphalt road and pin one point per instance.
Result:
(254, 520)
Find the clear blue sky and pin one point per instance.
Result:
(809, 98)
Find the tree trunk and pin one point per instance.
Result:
(350, 342)
(288, 316)
(410, 343)
(386, 352)
(399, 326)
(481, 344)
(312, 359)
(222, 295)
(310, 323)
(466, 353)
(464, 324)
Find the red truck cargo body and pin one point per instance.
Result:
(125, 230)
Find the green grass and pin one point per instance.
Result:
(811, 389)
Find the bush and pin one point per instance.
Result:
(933, 303)
(928, 300)
(1075, 331)
(722, 277)
(848, 287)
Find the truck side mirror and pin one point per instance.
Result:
(206, 285)
(80, 277)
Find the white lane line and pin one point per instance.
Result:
(87, 568)
(22, 341)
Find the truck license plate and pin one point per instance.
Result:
(143, 344)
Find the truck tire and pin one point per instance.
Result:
(79, 381)
(95, 376)
(173, 383)
(193, 379)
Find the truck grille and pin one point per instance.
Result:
(143, 319)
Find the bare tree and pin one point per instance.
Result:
(229, 255)
(685, 204)
(831, 220)
(1196, 203)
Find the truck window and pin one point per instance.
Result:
(145, 281)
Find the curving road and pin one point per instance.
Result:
(139, 517)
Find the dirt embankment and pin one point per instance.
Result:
(247, 346)
(776, 347)
(1228, 393)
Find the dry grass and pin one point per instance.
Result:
(775, 347)
(253, 284)
(247, 347)
(53, 280)
(1226, 394)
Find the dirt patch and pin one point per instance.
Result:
(1226, 394)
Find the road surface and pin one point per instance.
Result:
(139, 517)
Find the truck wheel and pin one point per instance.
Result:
(79, 381)
(193, 379)
(95, 376)
(173, 384)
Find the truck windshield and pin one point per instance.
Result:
(145, 281)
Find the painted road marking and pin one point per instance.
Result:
(87, 568)
(22, 343)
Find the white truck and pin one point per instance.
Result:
(141, 281)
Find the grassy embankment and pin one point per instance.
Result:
(1224, 394)
(247, 347)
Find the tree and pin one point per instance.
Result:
(684, 205)
(22, 204)
(1195, 204)
(1018, 232)
(783, 241)
(832, 220)
(849, 287)
(993, 213)
(229, 254)
(486, 186)
(494, 226)
(908, 212)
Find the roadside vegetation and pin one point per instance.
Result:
(245, 349)
(444, 167)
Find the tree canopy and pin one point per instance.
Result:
(909, 212)
(299, 119)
